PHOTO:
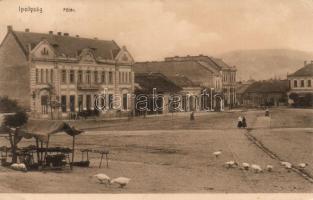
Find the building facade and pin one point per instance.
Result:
(207, 81)
(265, 93)
(300, 86)
(67, 74)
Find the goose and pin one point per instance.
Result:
(122, 181)
(14, 166)
(269, 168)
(246, 166)
(103, 178)
(19, 166)
(256, 168)
(287, 165)
(231, 164)
(217, 153)
(302, 165)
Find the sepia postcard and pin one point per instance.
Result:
(156, 99)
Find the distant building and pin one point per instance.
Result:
(211, 74)
(265, 93)
(190, 93)
(300, 85)
(39, 70)
(225, 75)
(153, 93)
(241, 88)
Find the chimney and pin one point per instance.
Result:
(305, 63)
(59, 33)
(50, 32)
(27, 30)
(10, 28)
(66, 34)
(77, 35)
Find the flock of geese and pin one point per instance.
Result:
(123, 181)
(257, 168)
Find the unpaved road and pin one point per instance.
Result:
(178, 160)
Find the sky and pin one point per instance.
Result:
(154, 29)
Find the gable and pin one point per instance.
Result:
(43, 50)
(124, 57)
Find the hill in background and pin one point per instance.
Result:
(266, 63)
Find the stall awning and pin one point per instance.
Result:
(43, 129)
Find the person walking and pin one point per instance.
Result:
(239, 125)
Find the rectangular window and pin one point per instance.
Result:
(72, 76)
(102, 77)
(63, 75)
(72, 103)
(80, 102)
(41, 75)
(47, 76)
(80, 77)
(309, 83)
(63, 103)
(51, 75)
(125, 102)
(302, 83)
(110, 101)
(37, 76)
(130, 77)
(295, 83)
(110, 77)
(88, 77)
(88, 101)
(95, 73)
(289, 84)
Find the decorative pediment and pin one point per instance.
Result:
(43, 50)
(87, 56)
(124, 56)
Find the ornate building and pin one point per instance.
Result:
(63, 74)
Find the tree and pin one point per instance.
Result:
(8, 105)
(14, 122)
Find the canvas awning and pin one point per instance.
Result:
(44, 129)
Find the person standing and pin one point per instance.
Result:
(244, 122)
(239, 125)
(192, 116)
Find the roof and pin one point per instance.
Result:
(192, 70)
(68, 45)
(272, 86)
(44, 128)
(182, 81)
(216, 63)
(221, 63)
(149, 81)
(304, 71)
(242, 88)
